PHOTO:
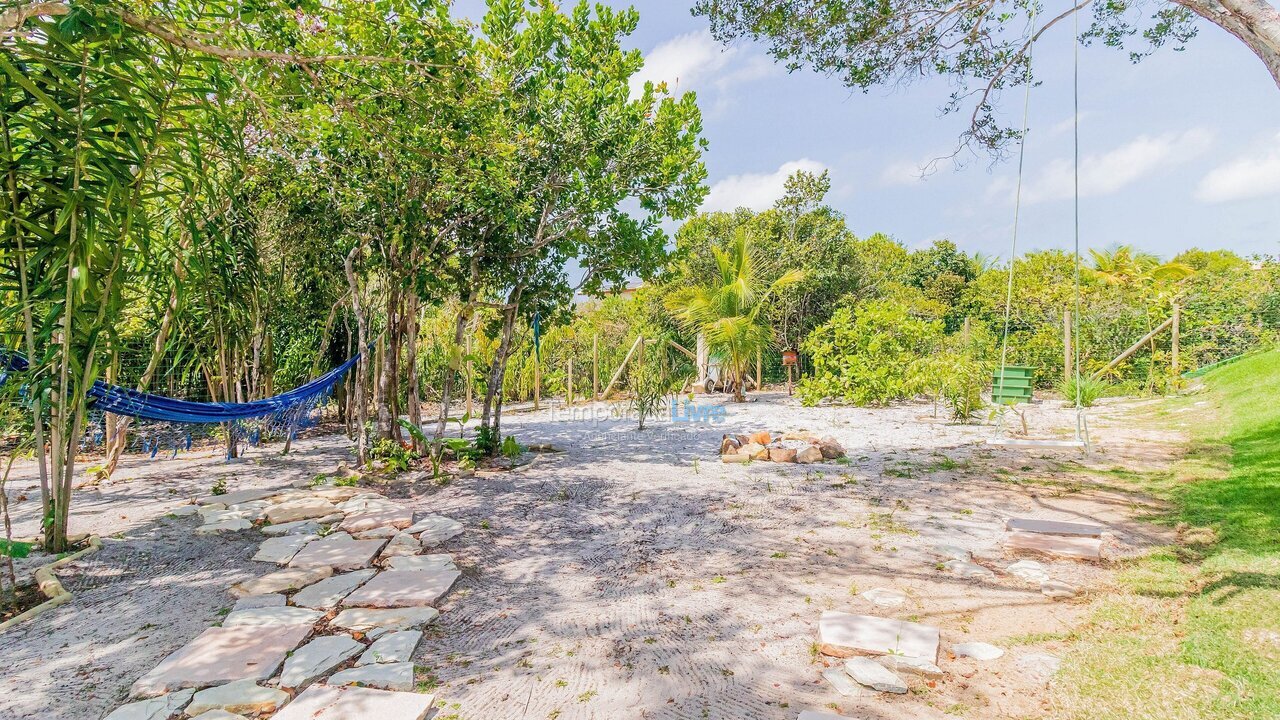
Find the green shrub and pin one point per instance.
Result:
(512, 448)
(1090, 390)
(395, 457)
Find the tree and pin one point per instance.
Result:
(728, 308)
(983, 45)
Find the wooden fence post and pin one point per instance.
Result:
(595, 366)
(568, 384)
(1176, 342)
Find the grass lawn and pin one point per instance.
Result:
(1193, 631)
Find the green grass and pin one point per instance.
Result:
(1184, 636)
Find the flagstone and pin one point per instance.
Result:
(392, 648)
(385, 676)
(232, 525)
(301, 509)
(885, 597)
(327, 702)
(281, 581)
(365, 503)
(1058, 590)
(375, 622)
(329, 592)
(1029, 570)
(1083, 548)
(840, 680)
(157, 708)
(280, 550)
(338, 551)
(239, 496)
(184, 511)
(217, 516)
(220, 655)
(422, 562)
(874, 675)
(397, 517)
(379, 532)
(297, 527)
(336, 493)
(317, 658)
(241, 696)
(219, 714)
(402, 545)
(1054, 527)
(913, 666)
(434, 529)
(953, 552)
(259, 601)
(968, 569)
(272, 616)
(844, 634)
(403, 588)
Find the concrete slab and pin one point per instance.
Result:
(846, 635)
(1053, 527)
(874, 675)
(221, 655)
(329, 592)
(403, 588)
(338, 551)
(1082, 548)
(326, 702)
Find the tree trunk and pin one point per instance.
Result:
(459, 330)
(362, 366)
(492, 412)
(1255, 22)
(411, 363)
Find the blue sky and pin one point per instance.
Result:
(1180, 150)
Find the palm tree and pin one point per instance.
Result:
(1123, 265)
(728, 308)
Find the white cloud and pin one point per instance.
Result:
(1108, 172)
(757, 191)
(1249, 176)
(696, 61)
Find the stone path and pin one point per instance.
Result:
(286, 632)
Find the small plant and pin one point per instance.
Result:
(219, 487)
(486, 440)
(511, 448)
(649, 383)
(348, 481)
(395, 457)
(1089, 388)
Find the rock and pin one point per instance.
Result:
(338, 551)
(839, 680)
(910, 665)
(782, 455)
(367, 502)
(1081, 548)
(799, 435)
(254, 507)
(281, 581)
(297, 527)
(241, 696)
(272, 616)
(968, 570)
(433, 530)
(831, 448)
(317, 658)
(736, 459)
(884, 597)
(376, 622)
(1038, 666)
(392, 648)
(397, 517)
(1053, 527)
(761, 438)
(874, 675)
(809, 455)
(158, 708)
(329, 592)
(403, 588)
(952, 552)
(325, 702)
(239, 496)
(184, 511)
(251, 602)
(1029, 570)
(977, 651)
(216, 516)
(335, 517)
(815, 715)
(403, 544)
(221, 655)
(337, 494)
(844, 635)
(212, 506)
(224, 526)
(383, 533)
(754, 450)
(729, 445)
(280, 550)
(301, 509)
(1058, 590)
(219, 714)
(385, 676)
(422, 562)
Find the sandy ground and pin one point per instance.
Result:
(633, 575)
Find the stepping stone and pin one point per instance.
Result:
(382, 532)
(422, 562)
(815, 715)
(1053, 527)
(280, 550)
(297, 527)
(259, 601)
(910, 665)
(435, 529)
(953, 552)
(884, 597)
(326, 702)
(392, 648)
(1038, 666)
(1058, 590)
(1083, 548)
(281, 581)
(366, 503)
(968, 570)
(219, 715)
(337, 494)
(184, 511)
(845, 634)
(1029, 570)
(225, 526)
(159, 708)
(239, 496)
(403, 544)
(272, 616)
(217, 516)
(874, 675)
(241, 696)
(375, 622)
(317, 658)
(840, 680)
(338, 551)
(303, 509)
(221, 655)
(397, 517)
(977, 651)
(385, 676)
(403, 588)
(329, 592)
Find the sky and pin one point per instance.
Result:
(1181, 150)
